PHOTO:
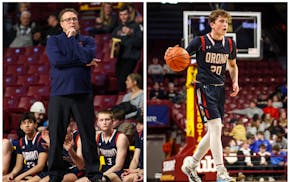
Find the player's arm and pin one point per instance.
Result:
(17, 168)
(135, 159)
(234, 71)
(41, 163)
(77, 156)
(122, 148)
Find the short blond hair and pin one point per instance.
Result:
(216, 13)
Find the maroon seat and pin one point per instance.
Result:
(44, 79)
(11, 59)
(25, 102)
(34, 50)
(28, 59)
(10, 80)
(10, 102)
(99, 80)
(119, 99)
(15, 69)
(38, 69)
(104, 101)
(27, 79)
(15, 91)
(38, 90)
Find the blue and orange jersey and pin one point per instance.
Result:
(68, 161)
(30, 149)
(109, 150)
(212, 56)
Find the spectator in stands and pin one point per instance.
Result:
(283, 119)
(262, 159)
(39, 113)
(107, 20)
(171, 93)
(276, 102)
(135, 95)
(276, 128)
(135, 15)
(72, 153)
(254, 125)
(266, 121)
(263, 156)
(274, 112)
(239, 132)
(71, 55)
(135, 170)
(234, 147)
(156, 93)
(168, 73)
(130, 46)
(113, 146)
(249, 111)
(278, 158)
(262, 100)
(245, 155)
(280, 141)
(25, 33)
(260, 140)
(230, 158)
(226, 137)
(31, 156)
(54, 28)
(155, 70)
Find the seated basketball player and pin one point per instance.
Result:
(113, 146)
(72, 154)
(135, 171)
(31, 155)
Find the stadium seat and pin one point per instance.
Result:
(12, 59)
(15, 91)
(38, 69)
(10, 102)
(25, 102)
(44, 79)
(99, 80)
(38, 90)
(17, 69)
(104, 101)
(28, 59)
(15, 118)
(28, 79)
(119, 99)
(14, 51)
(34, 50)
(10, 80)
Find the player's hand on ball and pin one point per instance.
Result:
(236, 90)
(169, 49)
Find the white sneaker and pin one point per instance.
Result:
(261, 179)
(223, 176)
(189, 168)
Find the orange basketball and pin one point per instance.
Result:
(177, 58)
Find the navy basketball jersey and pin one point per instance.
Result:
(30, 149)
(68, 161)
(109, 150)
(212, 56)
(139, 144)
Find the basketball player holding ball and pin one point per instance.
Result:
(214, 53)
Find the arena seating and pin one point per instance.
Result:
(255, 77)
(26, 79)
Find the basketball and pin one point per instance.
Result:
(177, 58)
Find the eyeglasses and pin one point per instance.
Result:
(74, 19)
